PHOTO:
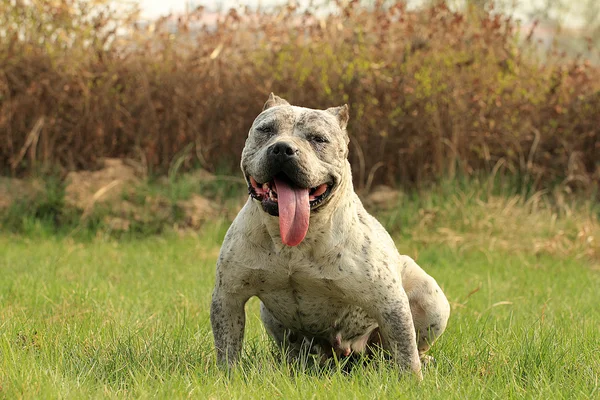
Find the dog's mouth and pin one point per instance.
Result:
(267, 192)
(292, 203)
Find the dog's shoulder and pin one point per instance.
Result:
(374, 233)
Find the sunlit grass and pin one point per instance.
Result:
(100, 317)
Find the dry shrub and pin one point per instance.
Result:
(432, 92)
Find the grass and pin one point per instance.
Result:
(90, 317)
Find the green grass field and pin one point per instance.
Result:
(88, 318)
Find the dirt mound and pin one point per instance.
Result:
(118, 194)
(197, 210)
(382, 198)
(86, 188)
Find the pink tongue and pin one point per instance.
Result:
(294, 212)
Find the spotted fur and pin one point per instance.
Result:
(345, 286)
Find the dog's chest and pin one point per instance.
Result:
(312, 297)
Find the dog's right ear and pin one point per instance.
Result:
(342, 114)
(275, 101)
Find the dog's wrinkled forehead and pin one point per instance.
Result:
(285, 119)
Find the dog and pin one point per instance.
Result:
(328, 275)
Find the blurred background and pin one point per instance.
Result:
(438, 90)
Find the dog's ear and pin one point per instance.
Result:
(275, 101)
(342, 114)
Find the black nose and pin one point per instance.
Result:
(283, 151)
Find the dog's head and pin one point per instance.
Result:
(294, 161)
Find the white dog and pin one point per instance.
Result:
(327, 273)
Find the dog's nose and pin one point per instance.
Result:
(283, 151)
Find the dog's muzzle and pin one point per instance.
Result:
(284, 193)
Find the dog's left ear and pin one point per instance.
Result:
(275, 101)
(342, 114)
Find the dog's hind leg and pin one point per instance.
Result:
(428, 304)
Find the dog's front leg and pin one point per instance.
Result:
(228, 318)
(393, 315)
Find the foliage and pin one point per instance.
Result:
(432, 92)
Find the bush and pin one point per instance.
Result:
(432, 92)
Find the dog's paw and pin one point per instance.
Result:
(427, 361)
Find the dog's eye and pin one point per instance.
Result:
(319, 139)
(266, 129)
